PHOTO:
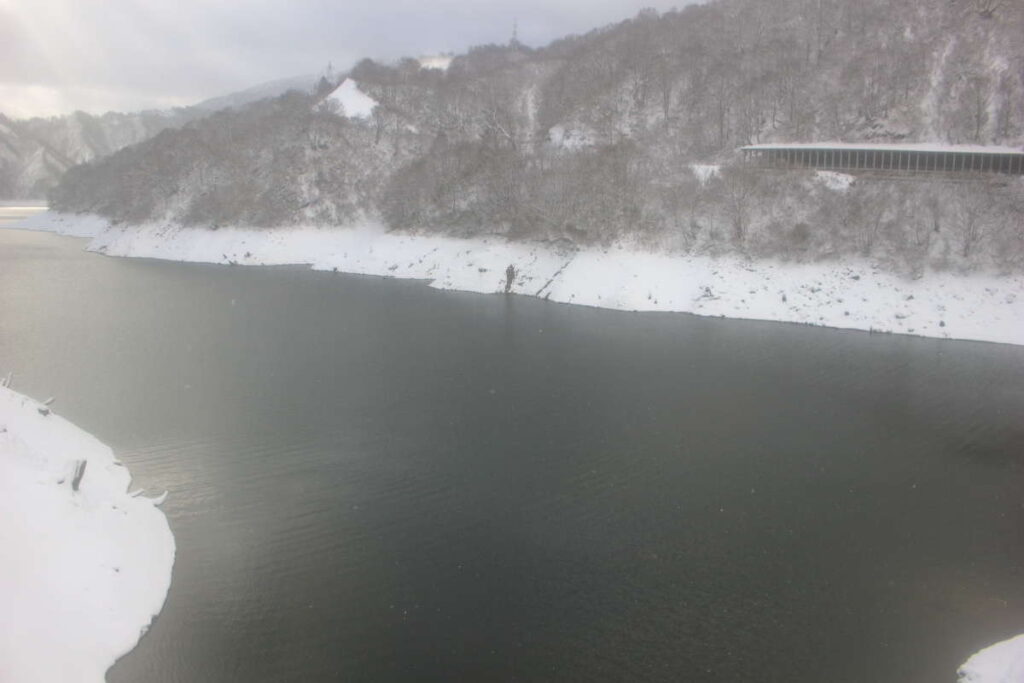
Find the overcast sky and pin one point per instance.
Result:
(57, 56)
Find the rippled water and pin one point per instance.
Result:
(371, 480)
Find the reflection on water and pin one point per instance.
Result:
(371, 480)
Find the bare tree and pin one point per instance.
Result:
(986, 9)
(739, 187)
(971, 207)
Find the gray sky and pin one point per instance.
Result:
(99, 55)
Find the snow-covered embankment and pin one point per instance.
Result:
(84, 572)
(848, 294)
(999, 663)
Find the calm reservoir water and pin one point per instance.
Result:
(374, 481)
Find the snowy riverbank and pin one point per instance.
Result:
(852, 295)
(999, 663)
(84, 571)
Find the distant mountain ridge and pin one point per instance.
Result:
(305, 83)
(26, 163)
(35, 153)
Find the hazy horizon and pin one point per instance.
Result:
(60, 56)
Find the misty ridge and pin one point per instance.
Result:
(36, 152)
(626, 134)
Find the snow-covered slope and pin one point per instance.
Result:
(352, 101)
(84, 572)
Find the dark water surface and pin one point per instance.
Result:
(374, 481)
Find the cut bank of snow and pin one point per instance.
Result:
(851, 294)
(1000, 663)
(84, 572)
(354, 102)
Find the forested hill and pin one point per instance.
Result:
(35, 152)
(591, 137)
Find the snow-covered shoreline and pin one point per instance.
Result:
(847, 295)
(999, 663)
(86, 571)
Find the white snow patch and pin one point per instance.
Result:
(835, 181)
(852, 294)
(999, 663)
(705, 172)
(85, 571)
(354, 102)
(529, 106)
(570, 139)
(440, 62)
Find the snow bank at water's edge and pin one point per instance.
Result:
(85, 571)
(851, 294)
(72, 225)
(999, 663)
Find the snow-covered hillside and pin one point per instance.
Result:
(35, 153)
(606, 137)
(27, 167)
